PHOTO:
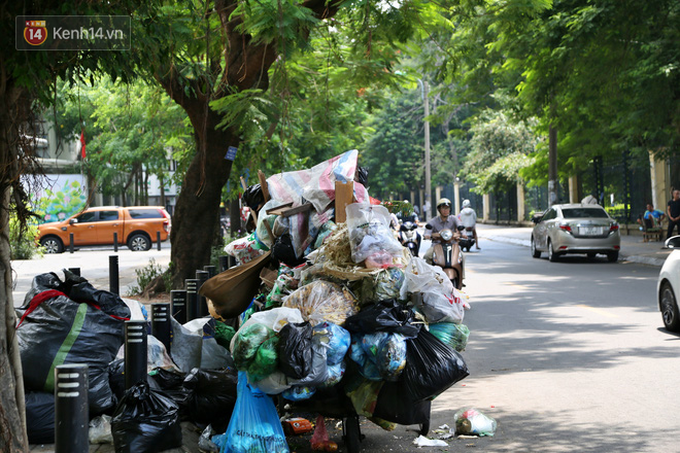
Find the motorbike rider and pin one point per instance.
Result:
(411, 216)
(468, 218)
(443, 221)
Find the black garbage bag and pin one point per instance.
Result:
(40, 417)
(384, 316)
(431, 367)
(212, 395)
(82, 325)
(172, 383)
(146, 421)
(295, 349)
(253, 197)
(394, 407)
(284, 251)
(362, 176)
(116, 371)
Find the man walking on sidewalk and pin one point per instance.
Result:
(673, 212)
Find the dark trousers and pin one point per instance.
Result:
(671, 226)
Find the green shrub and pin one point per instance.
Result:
(144, 276)
(23, 244)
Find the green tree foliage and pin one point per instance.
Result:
(500, 148)
(128, 127)
(394, 153)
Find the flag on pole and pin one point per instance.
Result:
(82, 143)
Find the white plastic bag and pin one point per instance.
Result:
(370, 236)
(274, 319)
(157, 356)
(441, 302)
(100, 430)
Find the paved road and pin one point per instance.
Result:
(567, 356)
(93, 264)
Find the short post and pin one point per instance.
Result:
(71, 411)
(224, 263)
(179, 305)
(158, 240)
(74, 270)
(202, 277)
(113, 274)
(160, 323)
(115, 242)
(191, 285)
(211, 269)
(70, 242)
(135, 352)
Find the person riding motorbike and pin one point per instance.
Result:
(443, 221)
(410, 216)
(408, 231)
(468, 218)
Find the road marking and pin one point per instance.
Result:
(598, 310)
(516, 285)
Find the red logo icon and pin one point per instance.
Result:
(35, 32)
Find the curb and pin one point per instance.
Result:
(639, 259)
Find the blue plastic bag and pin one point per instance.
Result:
(254, 426)
(336, 338)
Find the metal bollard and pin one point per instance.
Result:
(160, 323)
(191, 285)
(74, 270)
(70, 242)
(179, 305)
(158, 240)
(113, 274)
(211, 269)
(115, 242)
(71, 413)
(224, 263)
(135, 352)
(202, 277)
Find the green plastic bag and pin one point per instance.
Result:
(247, 342)
(453, 335)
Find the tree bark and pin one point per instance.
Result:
(552, 165)
(193, 223)
(13, 436)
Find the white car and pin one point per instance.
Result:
(575, 228)
(668, 286)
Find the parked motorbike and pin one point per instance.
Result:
(467, 242)
(409, 237)
(448, 256)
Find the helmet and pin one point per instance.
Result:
(466, 203)
(443, 202)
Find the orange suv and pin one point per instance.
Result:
(136, 226)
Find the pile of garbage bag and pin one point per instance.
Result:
(341, 310)
(71, 322)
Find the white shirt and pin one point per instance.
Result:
(468, 217)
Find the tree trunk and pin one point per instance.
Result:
(161, 181)
(552, 165)
(13, 438)
(194, 221)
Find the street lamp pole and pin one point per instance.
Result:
(428, 180)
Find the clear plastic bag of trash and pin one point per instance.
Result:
(321, 301)
(370, 235)
(471, 421)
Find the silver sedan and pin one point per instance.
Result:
(575, 228)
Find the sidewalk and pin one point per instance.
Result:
(632, 248)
